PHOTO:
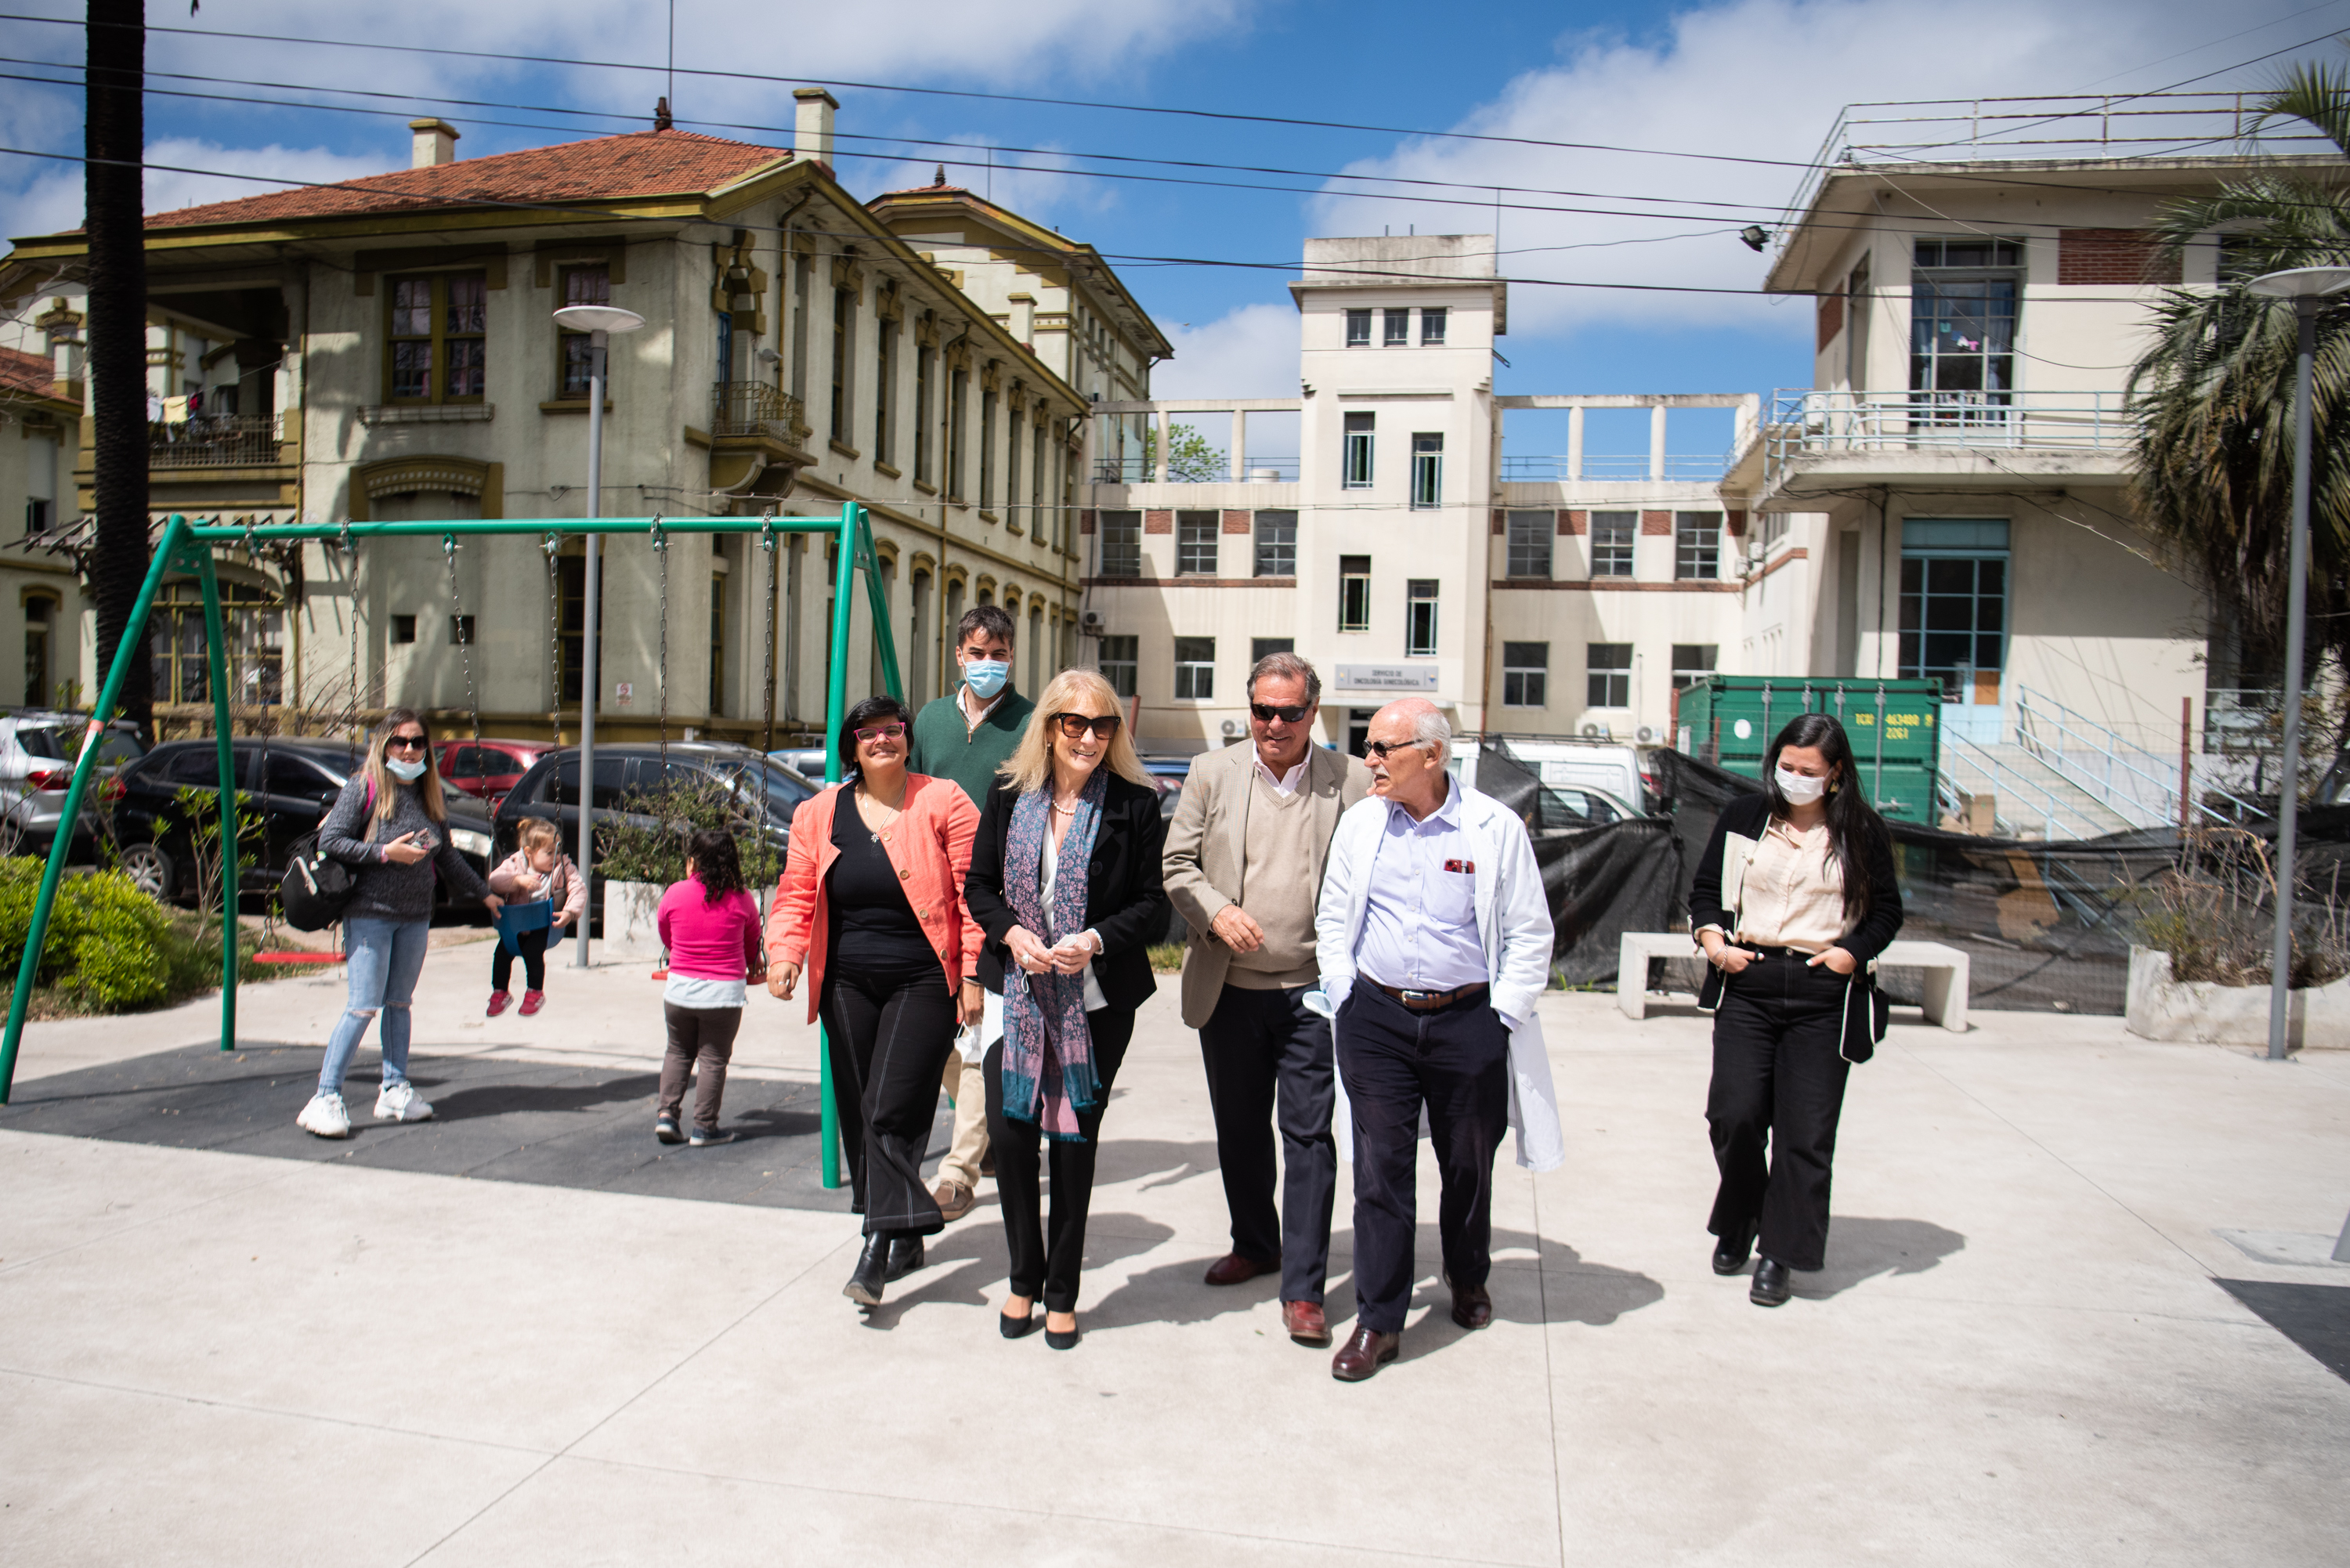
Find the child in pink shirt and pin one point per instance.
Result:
(710, 927)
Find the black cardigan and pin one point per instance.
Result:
(1125, 901)
(1749, 815)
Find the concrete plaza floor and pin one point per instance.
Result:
(260, 1352)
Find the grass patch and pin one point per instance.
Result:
(1167, 958)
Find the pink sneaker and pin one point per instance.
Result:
(499, 1001)
(532, 1001)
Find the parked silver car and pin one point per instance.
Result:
(37, 747)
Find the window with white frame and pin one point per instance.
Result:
(1427, 470)
(1195, 543)
(1276, 543)
(1118, 661)
(1607, 669)
(1354, 592)
(1530, 535)
(1612, 537)
(1122, 543)
(1195, 668)
(1420, 616)
(1354, 471)
(1358, 329)
(1525, 674)
(1431, 328)
(1395, 328)
(1692, 662)
(1697, 545)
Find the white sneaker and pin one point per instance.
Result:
(400, 1101)
(326, 1115)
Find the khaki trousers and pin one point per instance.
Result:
(965, 1083)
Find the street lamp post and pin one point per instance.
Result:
(600, 322)
(2307, 287)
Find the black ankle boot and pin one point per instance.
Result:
(1769, 1287)
(864, 1286)
(905, 1254)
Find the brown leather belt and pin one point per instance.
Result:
(1430, 1001)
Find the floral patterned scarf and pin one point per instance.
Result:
(1049, 1047)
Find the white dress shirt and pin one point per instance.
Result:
(1283, 784)
(1419, 921)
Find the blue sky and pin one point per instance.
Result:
(1737, 79)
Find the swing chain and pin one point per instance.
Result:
(661, 560)
(351, 569)
(459, 624)
(554, 547)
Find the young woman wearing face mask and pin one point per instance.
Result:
(1795, 892)
(391, 825)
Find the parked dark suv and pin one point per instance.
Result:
(290, 782)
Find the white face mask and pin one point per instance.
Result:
(404, 768)
(1800, 789)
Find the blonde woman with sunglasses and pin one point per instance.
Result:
(391, 826)
(1065, 881)
(870, 913)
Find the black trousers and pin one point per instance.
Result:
(888, 1035)
(1455, 1060)
(1777, 1073)
(533, 945)
(700, 1042)
(1269, 1065)
(1046, 1259)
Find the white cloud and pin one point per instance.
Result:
(1754, 78)
(53, 200)
(1249, 353)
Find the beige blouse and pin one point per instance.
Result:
(1794, 891)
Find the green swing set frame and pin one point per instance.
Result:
(186, 547)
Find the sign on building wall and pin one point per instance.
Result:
(1386, 678)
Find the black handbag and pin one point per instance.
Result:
(1865, 1012)
(315, 888)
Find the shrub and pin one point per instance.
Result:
(630, 848)
(2214, 914)
(109, 947)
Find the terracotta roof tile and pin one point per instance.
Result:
(641, 163)
(22, 372)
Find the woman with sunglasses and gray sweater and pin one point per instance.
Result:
(391, 827)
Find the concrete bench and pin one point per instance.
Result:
(1944, 995)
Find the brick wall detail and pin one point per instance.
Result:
(1831, 318)
(1159, 522)
(1085, 521)
(2116, 257)
(1573, 523)
(1239, 522)
(1656, 523)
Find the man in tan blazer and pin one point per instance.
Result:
(1243, 864)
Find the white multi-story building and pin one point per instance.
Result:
(1401, 549)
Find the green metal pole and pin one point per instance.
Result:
(836, 708)
(884, 644)
(199, 559)
(132, 645)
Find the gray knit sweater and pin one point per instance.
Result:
(386, 891)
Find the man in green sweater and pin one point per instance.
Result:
(965, 736)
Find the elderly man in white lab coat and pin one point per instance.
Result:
(1433, 938)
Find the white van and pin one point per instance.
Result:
(1606, 765)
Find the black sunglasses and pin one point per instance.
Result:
(1267, 712)
(1076, 724)
(1380, 749)
(406, 743)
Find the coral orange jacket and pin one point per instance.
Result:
(930, 847)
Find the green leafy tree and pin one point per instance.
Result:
(2213, 396)
(1190, 459)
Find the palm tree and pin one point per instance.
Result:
(2213, 396)
(114, 141)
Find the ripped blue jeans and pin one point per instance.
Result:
(383, 959)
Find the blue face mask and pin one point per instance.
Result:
(985, 677)
(404, 769)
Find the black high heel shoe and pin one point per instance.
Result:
(864, 1286)
(1016, 1327)
(1061, 1339)
(905, 1255)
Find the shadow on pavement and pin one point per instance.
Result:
(1860, 1249)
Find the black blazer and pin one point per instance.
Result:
(1749, 815)
(1125, 901)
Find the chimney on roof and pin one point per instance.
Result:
(812, 131)
(662, 119)
(435, 144)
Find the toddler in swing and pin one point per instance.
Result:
(536, 872)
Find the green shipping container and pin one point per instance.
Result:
(1729, 719)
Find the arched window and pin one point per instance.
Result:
(253, 619)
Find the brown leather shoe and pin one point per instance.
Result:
(1364, 1352)
(954, 1200)
(1472, 1306)
(1304, 1321)
(1231, 1269)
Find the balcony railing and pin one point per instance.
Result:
(1809, 423)
(1258, 470)
(1681, 467)
(216, 441)
(754, 409)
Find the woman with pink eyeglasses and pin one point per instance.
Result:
(870, 913)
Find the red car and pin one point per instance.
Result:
(488, 769)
